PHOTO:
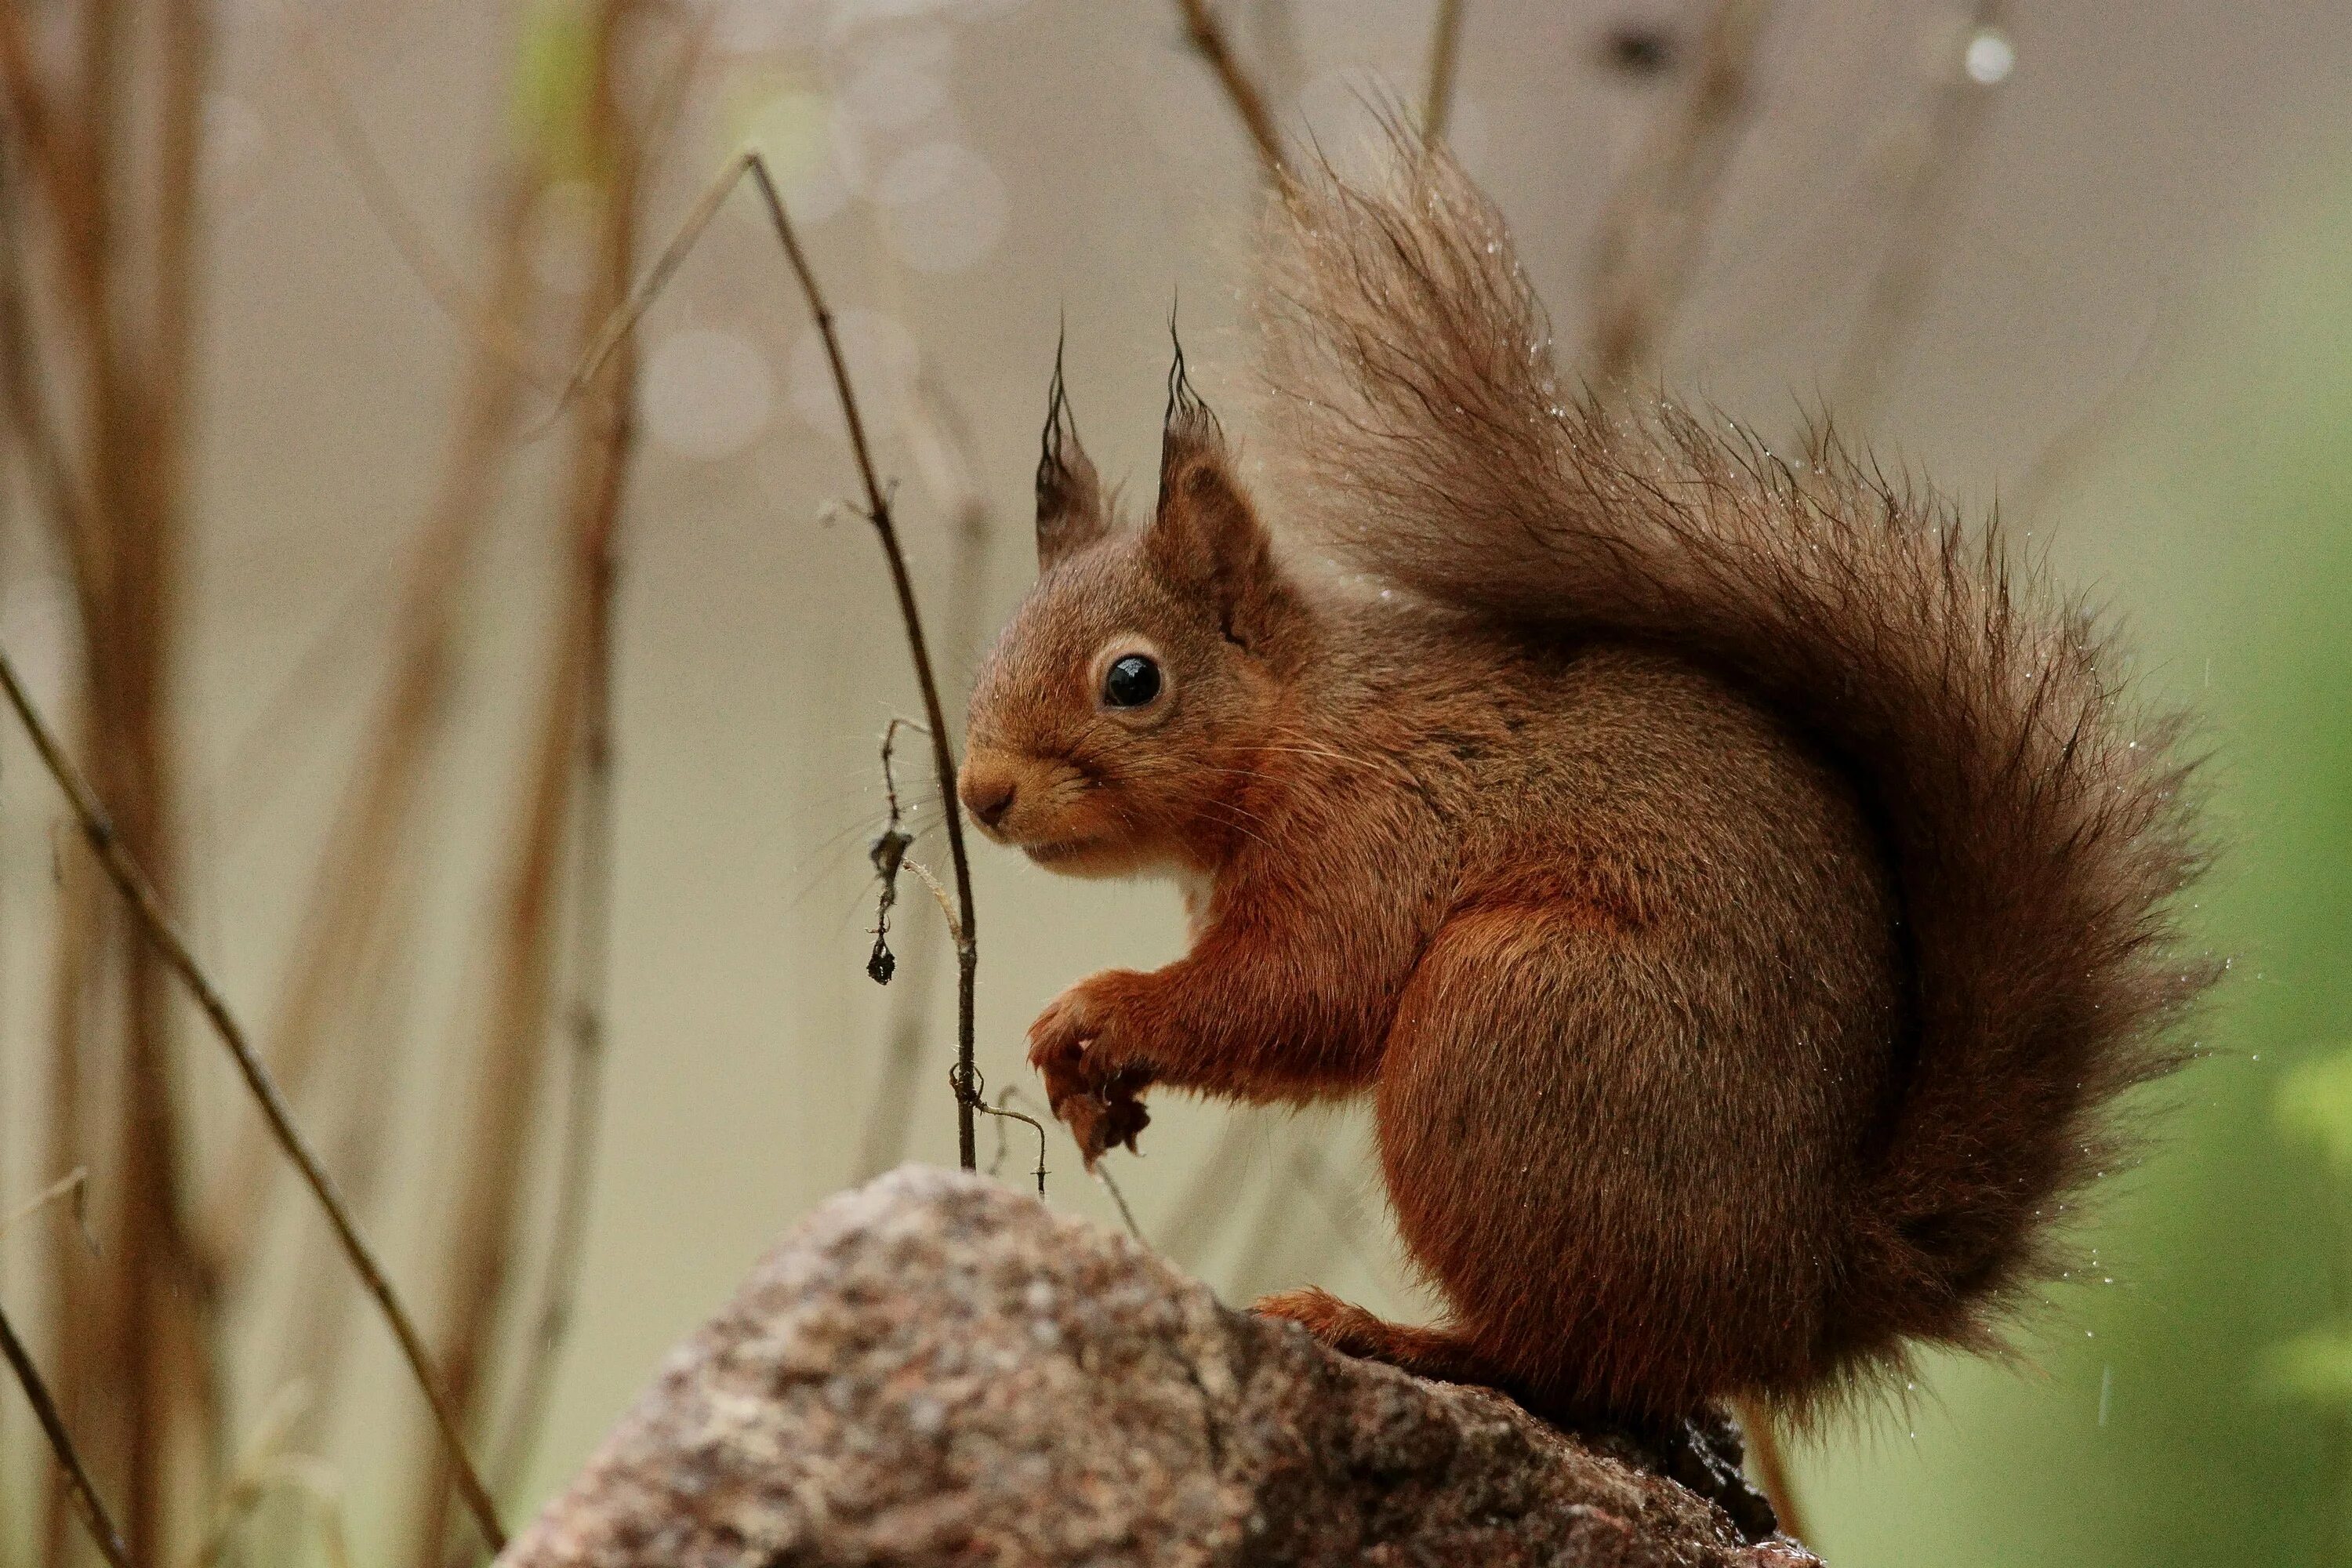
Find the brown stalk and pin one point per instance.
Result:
(79, 940)
(1652, 229)
(80, 930)
(164, 937)
(1951, 125)
(27, 415)
(514, 1051)
(1207, 37)
(62, 159)
(591, 968)
(1445, 64)
(151, 1336)
(589, 961)
(69, 1463)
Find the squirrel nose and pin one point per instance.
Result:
(988, 794)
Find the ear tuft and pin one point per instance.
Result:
(1070, 512)
(1206, 539)
(1189, 433)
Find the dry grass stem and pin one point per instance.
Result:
(165, 935)
(490, 322)
(1208, 1201)
(513, 1055)
(73, 1187)
(1771, 1467)
(1127, 1215)
(1929, 194)
(1445, 65)
(966, 1078)
(1207, 37)
(1654, 224)
(632, 147)
(376, 822)
(1002, 1112)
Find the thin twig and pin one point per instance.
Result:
(590, 938)
(514, 1052)
(966, 1079)
(946, 460)
(749, 163)
(1002, 1111)
(147, 906)
(77, 1476)
(938, 895)
(592, 968)
(1444, 63)
(1207, 37)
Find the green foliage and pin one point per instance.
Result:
(2147, 1423)
(555, 87)
(2315, 1105)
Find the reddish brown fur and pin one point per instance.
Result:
(1738, 896)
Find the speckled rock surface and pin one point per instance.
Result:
(937, 1370)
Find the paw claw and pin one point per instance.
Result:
(1091, 1083)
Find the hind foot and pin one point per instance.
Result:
(1351, 1330)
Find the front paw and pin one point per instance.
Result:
(1084, 1047)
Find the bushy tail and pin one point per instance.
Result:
(2036, 823)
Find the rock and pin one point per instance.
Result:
(937, 1370)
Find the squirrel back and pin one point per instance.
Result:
(2033, 821)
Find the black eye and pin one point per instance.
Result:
(1130, 682)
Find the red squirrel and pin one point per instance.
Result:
(1739, 888)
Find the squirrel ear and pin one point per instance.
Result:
(1205, 538)
(1069, 495)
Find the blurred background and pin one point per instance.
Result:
(513, 768)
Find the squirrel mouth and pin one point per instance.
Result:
(1049, 850)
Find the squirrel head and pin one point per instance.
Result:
(1118, 719)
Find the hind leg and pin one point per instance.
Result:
(1437, 1354)
(1621, 1190)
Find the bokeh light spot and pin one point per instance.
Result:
(1990, 57)
(707, 393)
(943, 206)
